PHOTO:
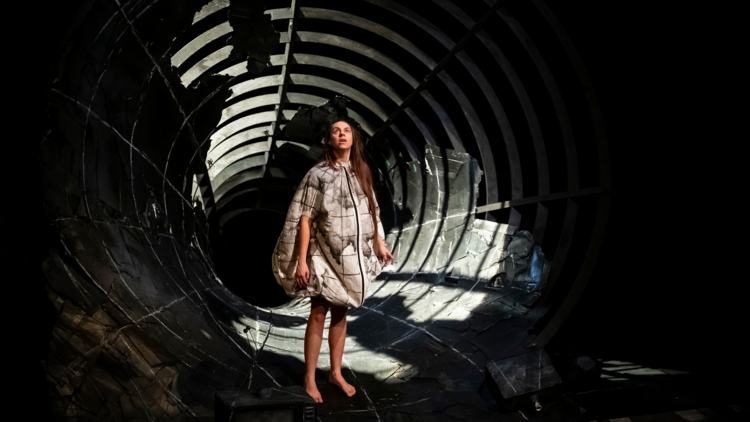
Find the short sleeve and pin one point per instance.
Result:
(307, 199)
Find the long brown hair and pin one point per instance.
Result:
(356, 162)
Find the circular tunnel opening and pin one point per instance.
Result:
(242, 256)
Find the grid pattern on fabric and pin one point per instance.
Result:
(337, 257)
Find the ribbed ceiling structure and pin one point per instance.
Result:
(481, 122)
(466, 77)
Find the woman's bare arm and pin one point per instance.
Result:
(304, 235)
(302, 277)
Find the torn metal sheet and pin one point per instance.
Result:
(521, 375)
(253, 37)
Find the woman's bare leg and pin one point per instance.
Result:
(336, 339)
(313, 340)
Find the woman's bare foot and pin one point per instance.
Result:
(338, 380)
(312, 389)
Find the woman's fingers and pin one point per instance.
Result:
(383, 254)
(302, 279)
(302, 275)
(386, 257)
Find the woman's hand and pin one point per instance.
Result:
(302, 276)
(382, 252)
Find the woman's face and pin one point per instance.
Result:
(341, 136)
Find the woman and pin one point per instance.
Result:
(334, 222)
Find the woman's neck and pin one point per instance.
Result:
(342, 156)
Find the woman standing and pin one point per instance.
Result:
(334, 222)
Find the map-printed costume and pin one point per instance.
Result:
(340, 254)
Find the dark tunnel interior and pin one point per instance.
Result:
(174, 138)
(242, 249)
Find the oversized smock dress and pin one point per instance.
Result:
(340, 254)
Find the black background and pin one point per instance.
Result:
(669, 286)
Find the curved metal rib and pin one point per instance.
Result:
(243, 123)
(469, 111)
(298, 79)
(218, 56)
(392, 36)
(198, 42)
(331, 85)
(336, 41)
(571, 211)
(241, 177)
(244, 151)
(247, 104)
(205, 64)
(510, 142)
(218, 150)
(257, 160)
(253, 84)
(330, 63)
(291, 98)
(604, 180)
